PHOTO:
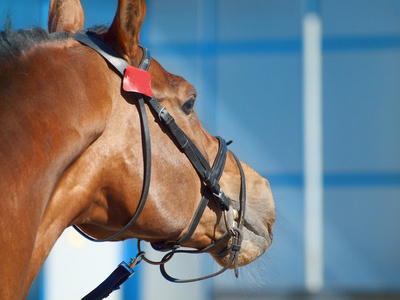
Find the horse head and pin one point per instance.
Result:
(175, 187)
(92, 152)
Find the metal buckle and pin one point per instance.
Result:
(160, 113)
(219, 195)
(222, 201)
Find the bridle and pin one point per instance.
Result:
(209, 176)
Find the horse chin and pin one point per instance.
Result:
(254, 244)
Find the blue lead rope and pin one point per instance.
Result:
(112, 283)
(116, 279)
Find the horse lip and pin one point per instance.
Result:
(254, 229)
(257, 229)
(250, 223)
(253, 224)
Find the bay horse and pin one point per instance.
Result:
(72, 151)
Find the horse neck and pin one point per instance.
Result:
(51, 115)
(48, 118)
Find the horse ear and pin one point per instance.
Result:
(65, 15)
(124, 32)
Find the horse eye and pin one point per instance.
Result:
(188, 106)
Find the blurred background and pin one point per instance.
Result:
(310, 93)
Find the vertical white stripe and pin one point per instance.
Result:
(313, 151)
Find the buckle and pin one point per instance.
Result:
(160, 113)
(219, 195)
(222, 200)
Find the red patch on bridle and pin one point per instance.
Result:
(138, 81)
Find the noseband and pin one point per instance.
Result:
(209, 176)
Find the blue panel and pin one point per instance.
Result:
(361, 43)
(172, 21)
(361, 111)
(344, 17)
(258, 19)
(99, 12)
(34, 13)
(362, 179)
(362, 230)
(311, 6)
(284, 267)
(259, 106)
(23, 13)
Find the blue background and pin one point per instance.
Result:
(245, 59)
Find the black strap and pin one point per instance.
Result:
(109, 54)
(104, 50)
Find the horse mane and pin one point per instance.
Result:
(14, 43)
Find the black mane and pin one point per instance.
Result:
(14, 43)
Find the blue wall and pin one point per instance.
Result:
(245, 59)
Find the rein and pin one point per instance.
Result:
(209, 176)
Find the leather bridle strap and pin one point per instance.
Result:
(120, 65)
(217, 171)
